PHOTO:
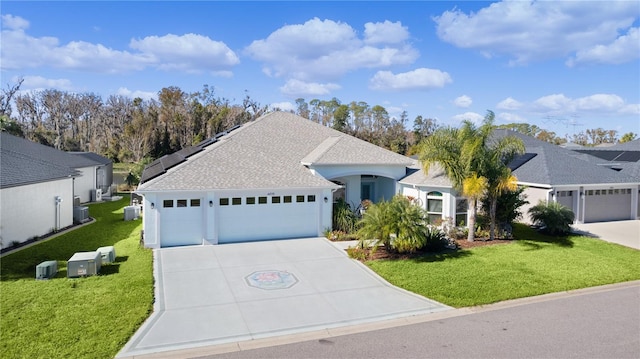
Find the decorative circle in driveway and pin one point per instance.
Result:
(271, 279)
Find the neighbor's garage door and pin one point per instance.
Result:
(607, 205)
(181, 222)
(249, 218)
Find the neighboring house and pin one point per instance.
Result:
(273, 178)
(577, 180)
(38, 185)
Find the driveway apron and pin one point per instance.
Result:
(209, 295)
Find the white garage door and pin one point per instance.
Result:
(181, 222)
(253, 218)
(607, 205)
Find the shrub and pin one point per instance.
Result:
(343, 217)
(399, 225)
(357, 253)
(436, 240)
(552, 217)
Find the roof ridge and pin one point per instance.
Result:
(320, 150)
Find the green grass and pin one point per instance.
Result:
(90, 317)
(532, 265)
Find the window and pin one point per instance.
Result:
(236, 201)
(224, 201)
(610, 191)
(167, 203)
(434, 206)
(286, 199)
(461, 211)
(311, 198)
(195, 203)
(181, 203)
(262, 200)
(616, 191)
(299, 199)
(251, 200)
(590, 192)
(275, 199)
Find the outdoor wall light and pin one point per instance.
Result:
(210, 203)
(326, 200)
(153, 205)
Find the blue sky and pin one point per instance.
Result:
(565, 66)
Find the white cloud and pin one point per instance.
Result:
(187, 53)
(624, 49)
(419, 79)
(297, 88)
(509, 104)
(39, 82)
(145, 95)
(463, 101)
(14, 22)
(632, 109)
(469, 116)
(554, 103)
(324, 50)
(508, 117)
(385, 32)
(535, 30)
(283, 106)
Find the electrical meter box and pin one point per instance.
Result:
(83, 264)
(108, 254)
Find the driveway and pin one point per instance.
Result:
(209, 295)
(626, 233)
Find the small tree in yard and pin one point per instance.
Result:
(554, 218)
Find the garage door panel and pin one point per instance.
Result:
(181, 226)
(607, 205)
(253, 222)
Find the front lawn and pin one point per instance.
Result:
(532, 265)
(89, 317)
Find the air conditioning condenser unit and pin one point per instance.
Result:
(46, 270)
(84, 264)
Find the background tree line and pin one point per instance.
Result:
(129, 130)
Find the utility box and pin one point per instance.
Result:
(83, 264)
(131, 213)
(46, 270)
(108, 254)
(96, 195)
(80, 214)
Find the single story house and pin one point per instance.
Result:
(39, 187)
(273, 178)
(579, 181)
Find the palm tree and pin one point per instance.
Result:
(455, 151)
(471, 154)
(473, 187)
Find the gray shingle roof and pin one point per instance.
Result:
(17, 169)
(25, 162)
(435, 177)
(45, 153)
(269, 153)
(555, 165)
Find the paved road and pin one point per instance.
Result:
(601, 322)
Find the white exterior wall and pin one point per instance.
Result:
(534, 195)
(85, 183)
(420, 192)
(31, 210)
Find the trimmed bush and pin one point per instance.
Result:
(552, 217)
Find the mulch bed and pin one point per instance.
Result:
(381, 252)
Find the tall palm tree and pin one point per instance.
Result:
(454, 150)
(496, 154)
(473, 187)
(471, 154)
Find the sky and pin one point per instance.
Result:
(565, 66)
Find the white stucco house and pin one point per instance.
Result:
(273, 178)
(38, 186)
(594, 190)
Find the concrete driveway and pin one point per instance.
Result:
(210, 295)
(626, 233)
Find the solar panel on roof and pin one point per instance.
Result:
(233, 128)
(171, 160)
(152, 170)
(520, 160)
(629, 156)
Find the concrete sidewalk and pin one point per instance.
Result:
(626, 233)
(212, 295)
